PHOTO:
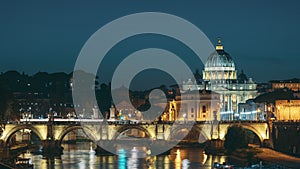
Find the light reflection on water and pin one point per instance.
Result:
(83, 156)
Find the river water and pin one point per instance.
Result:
(82, 156)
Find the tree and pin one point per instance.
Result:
(9, 112)
(6, 103)
(235, 138)
(104, 97)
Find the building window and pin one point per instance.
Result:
(203, 109)
(192, 110)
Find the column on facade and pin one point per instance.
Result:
(196, 111)
(229, 107)
(223, 106)
(238, 100)
(234, 103)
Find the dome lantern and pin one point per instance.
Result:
(219, 46)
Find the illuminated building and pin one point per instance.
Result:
(287, 110)
(220, 76)
(252, 110)
(292, 84)
(126, 111)
(208, 108)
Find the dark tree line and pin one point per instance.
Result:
(5, 102)
(44, 92)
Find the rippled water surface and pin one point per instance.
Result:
(82, 156)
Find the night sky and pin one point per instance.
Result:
(261, 36)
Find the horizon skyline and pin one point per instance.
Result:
(261, 37)
(32, 74)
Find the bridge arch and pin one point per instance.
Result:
(250, 128)
(256, 132)
(91, 134)
(128, 127)
(195, 128)
(21, 127)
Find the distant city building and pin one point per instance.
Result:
(38, 93)
(292, 84)
(270, 98)
(136, 98)
(287, 110)
(189, 106)
(252, 111)
(220, 76)
(126, 111)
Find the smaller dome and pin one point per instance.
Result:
(190, 82)
(242, 78)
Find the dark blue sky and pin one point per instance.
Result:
(261, 36)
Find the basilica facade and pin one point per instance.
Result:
(220, 76)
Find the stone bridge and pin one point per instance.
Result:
(52, 133)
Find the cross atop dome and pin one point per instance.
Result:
(219, 46)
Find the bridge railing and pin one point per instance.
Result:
(243, 121)
(140, 122)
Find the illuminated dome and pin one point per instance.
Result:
(219, 65)
(219, 58)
